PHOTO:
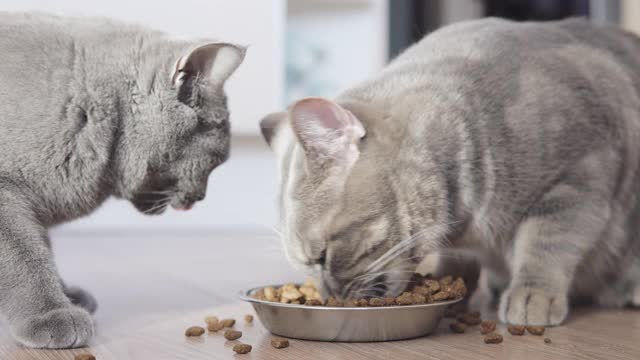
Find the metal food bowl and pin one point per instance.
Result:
(361, 324)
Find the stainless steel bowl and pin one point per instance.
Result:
(347, 324)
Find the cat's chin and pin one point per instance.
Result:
(151, 209)
(149, 206)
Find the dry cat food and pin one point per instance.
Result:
(279, 343)
(84, 357)
(487, 326)
(215, 327)
(194, 331)
(248, 318)
(457, 327)
(232, 334)
(547, 341)
(242, 348)
(536, 330)
(493, 338)
(213, 323)
(423, 290)
(211, 320)
(517, 330)
(228, 322)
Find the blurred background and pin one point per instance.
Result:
(296, 48)
(139, 266)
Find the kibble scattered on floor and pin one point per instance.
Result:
(279, 343)
(242, 348)
(194, 331)
(84, 357)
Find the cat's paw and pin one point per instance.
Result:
(81, 298)
(57, 329)
(522, 305)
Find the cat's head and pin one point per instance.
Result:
(178, 131)
(339, 214)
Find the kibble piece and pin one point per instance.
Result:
(432, 285)
(547, 341)
(516, 330)
(419, 299)
(259, 295)
(405, 298)
(350, 303)
(211, 320)
(242, 348)
(307, 291)
(270, 294)
(487, 326)
(248, 318)
(441, 296)
(457, 327)
(389, 301)
(313, 302)
(215, 327)
(447, 280)
(310, 292)
(84, 357)
(458, 288)
(493, 338)
(232, 334)
(334, 302)
(469, 319)
(228, 322)
(279, 343)
(376, 301)
(536, 330)
(194, 331)
(290, 294)
(422, 290)
(363, 303)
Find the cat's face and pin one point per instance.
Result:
(337, 201)
(179, 132)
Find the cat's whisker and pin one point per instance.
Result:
(379, 273)
(438, 237)
(160, 205)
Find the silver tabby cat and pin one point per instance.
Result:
(91, 108)
(515, 144)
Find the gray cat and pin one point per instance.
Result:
(515, 144)
(91, 108)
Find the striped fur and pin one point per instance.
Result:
(517, 144)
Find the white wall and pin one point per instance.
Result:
(352, 34)
(255, 89)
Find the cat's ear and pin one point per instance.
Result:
(326, 130)
(212, 62)
(269, 125)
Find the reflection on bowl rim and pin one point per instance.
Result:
(245, 296)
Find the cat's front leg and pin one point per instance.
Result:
(32, 299)
(548, 247)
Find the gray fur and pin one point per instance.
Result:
(91, 108)
(513, 143)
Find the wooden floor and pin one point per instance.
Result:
(152, 287)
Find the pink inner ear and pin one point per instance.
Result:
(325, 129)
(321, 112)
